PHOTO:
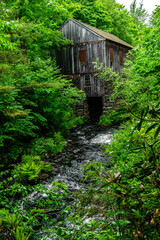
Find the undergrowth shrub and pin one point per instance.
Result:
(29, 169)
(10, 226)
(43, 145)
(112, 118)
(29, 215)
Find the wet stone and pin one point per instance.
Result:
(85, 148)
(57, 160)
(76, 151)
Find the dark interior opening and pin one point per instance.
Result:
(95, 107)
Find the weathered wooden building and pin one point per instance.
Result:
(76, 60)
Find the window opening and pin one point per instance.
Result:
(121, 57)
(87, 84)
(87, 81)
(111, 54)
(83, 56)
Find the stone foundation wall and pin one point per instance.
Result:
(81, 109)
(109, 104)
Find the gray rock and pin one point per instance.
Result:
(76, 151)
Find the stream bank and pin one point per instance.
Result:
(87, 143)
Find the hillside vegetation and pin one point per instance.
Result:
(37, 112)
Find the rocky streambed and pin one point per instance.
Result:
(87, 143)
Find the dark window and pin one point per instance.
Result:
(87, 81)
(121, 57)
(87, 84)
(111, 55)
(83, 56)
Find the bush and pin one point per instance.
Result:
(42, 145)
(16, 222)
(112, 118)
(9, 226)
(29, 169)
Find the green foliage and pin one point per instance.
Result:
(51, 201)
(20, 235)
(9, 224)
(6, 29)
(112, 118)
(138, 13)
(126, 195)
(27, 172)
(35, 216)
(50, 146)
(9, 220)
(108, 16)
(36, 100)
(49, 16)
(81, 230)
(14, 191)
(40, 102)
(36, 110)
(29, 169)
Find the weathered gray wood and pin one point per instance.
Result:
(69, 61)
(77, 33)
(96, 88)
(96, 47)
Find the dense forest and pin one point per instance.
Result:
(37, 113)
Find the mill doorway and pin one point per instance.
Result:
(95, 107)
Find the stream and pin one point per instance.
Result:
(87, 143)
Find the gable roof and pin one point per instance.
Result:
(105, 35)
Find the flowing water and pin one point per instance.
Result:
(84, 146)
(87, 143)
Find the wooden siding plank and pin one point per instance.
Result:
(70, 60)
(78, 33)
